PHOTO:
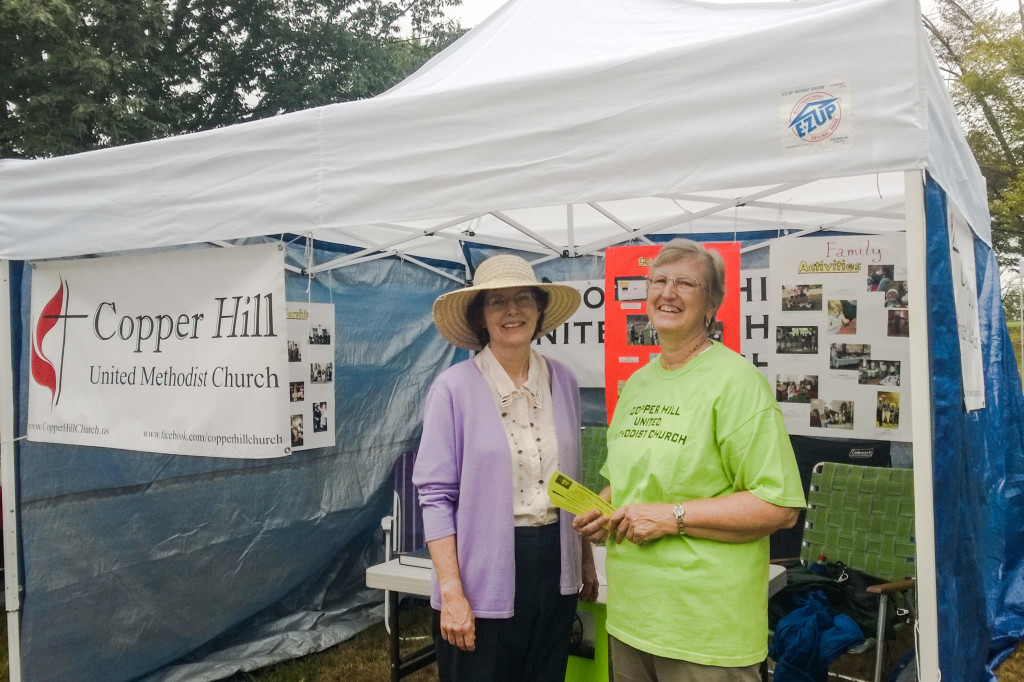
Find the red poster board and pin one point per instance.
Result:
(629, 342)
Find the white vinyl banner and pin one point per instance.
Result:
(579, 342)
(179, 353)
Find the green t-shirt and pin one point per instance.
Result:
(707, 429)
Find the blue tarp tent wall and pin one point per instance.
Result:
(556, 128)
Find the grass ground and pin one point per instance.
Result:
(364, 658)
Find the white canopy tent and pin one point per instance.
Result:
(556, 127)
(546, 104)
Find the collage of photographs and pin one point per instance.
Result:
(852, 323)
(311, 376)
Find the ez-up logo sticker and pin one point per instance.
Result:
(816, 118)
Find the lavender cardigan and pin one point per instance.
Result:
(464, 476)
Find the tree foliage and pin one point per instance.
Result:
(982, 50)
(81, 74)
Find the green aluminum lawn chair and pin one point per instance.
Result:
(864, 517)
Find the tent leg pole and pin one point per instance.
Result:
(9, 482)
(920, 389)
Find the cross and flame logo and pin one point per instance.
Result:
(46, 372)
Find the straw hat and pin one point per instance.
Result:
(451, 310)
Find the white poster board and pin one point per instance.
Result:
(311, 338)
(180, 353)
(840, 325)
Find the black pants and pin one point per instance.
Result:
(532, 645)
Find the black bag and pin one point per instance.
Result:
(845, 588)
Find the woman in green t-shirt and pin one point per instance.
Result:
(701, 472)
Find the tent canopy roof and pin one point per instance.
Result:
(643, 115)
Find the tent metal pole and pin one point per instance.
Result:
(724, 205)
(921, 414)
(8, 479)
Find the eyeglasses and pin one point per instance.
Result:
(524, 300)
(682, 283)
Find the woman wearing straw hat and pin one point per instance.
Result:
(508, 564)
(697, 496)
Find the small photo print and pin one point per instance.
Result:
(640, 332)
(835, 414)
(321, 373)
(899, 323)
(631, 288)
(294, 352)
(848, 355)
(796, 340)
(842, 316)
(879, 373)
(801, 297)
(297, 439)
(319, 335)
(896, 295)
(887, 410)
(880, 277)
(796, 388)
(319, 417)
(297, 391)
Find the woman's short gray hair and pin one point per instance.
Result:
(710, 260)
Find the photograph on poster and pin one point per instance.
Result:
(801, 297)
(639, 331)
(899, 323)
(716, 332)
(880, 277)
(879, 373)
(887, 410)
(795, 388)
(842, 317)
(896, 295)
(321, 373)
(848, 355)
(296, 430)
(796, 340)
(319, 335)
(319, 417)
(297, 391)
(294, 354)
(631, 288)
(835, 414)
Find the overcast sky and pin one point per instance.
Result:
(473, 12)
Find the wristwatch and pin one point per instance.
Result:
(679, 512)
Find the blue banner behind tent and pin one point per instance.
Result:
(978, 471)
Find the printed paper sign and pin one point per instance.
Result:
(965, 295)
(180, 353)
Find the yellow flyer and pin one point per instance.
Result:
(574, 497)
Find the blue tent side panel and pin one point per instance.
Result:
(978, 470)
